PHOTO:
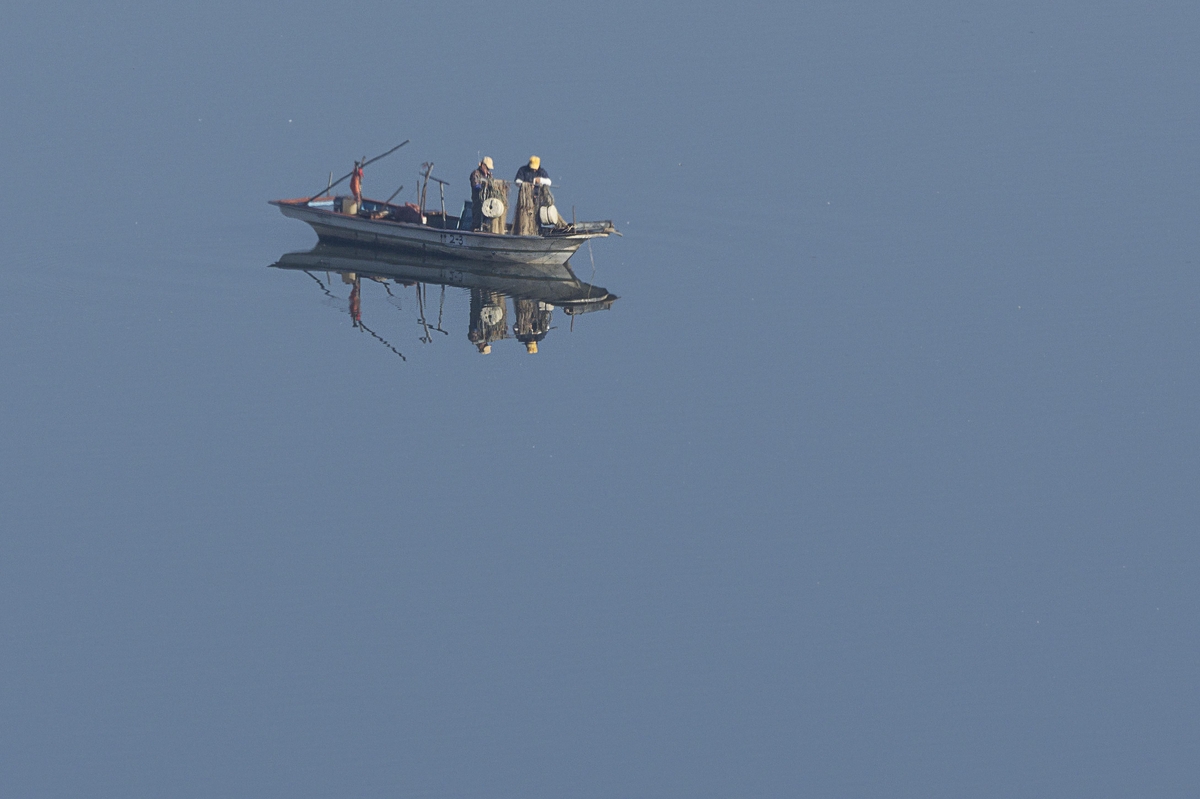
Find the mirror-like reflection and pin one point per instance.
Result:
(536, 292)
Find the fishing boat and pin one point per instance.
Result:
(408, 229)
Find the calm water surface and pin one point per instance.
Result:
(879, 479)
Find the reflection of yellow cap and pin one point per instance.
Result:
(534, 162)
(487, 161)
(485, 349)
(531, 347)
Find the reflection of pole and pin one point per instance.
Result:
(426, 339)
(355, 303)
(441, 307)
(324, 288)
(382, 340)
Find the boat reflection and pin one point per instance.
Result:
(536, 291)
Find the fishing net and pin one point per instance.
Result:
(525, 220)
(547, 213)
(533, 320)
(497, 190)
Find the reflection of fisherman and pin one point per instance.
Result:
(531, 180)
(488, 319)
(479, 179)
(356, 183)
(533, 322)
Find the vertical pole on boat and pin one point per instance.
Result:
(442, 191)
(428, 167)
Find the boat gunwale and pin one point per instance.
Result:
(305, 203)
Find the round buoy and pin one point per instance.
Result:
(493, 207)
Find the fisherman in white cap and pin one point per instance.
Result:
(479, 179)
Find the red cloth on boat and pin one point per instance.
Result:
(356, 183)
(355, 303)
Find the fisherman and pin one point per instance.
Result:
(479, 179)
(531, 181)
(356, 183)
(533, 173)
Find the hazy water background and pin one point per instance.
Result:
(879, 480)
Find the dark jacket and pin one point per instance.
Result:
(479, 177)
(526, 175)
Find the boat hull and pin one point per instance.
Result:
(422, 240)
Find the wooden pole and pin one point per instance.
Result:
(351, 172)
(428, 165)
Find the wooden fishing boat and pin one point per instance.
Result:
(406, 229)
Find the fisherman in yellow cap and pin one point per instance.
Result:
(533, 173)
(479, 179)
(532, 180)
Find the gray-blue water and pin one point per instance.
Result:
(880, 479)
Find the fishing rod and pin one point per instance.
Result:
(363, 164)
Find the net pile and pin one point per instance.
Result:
(525, 220)
(498, 189)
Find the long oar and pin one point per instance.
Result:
(351, 172)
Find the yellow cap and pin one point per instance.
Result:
(534, 162)
(531, 347)
(485, 349)
(487, 161)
